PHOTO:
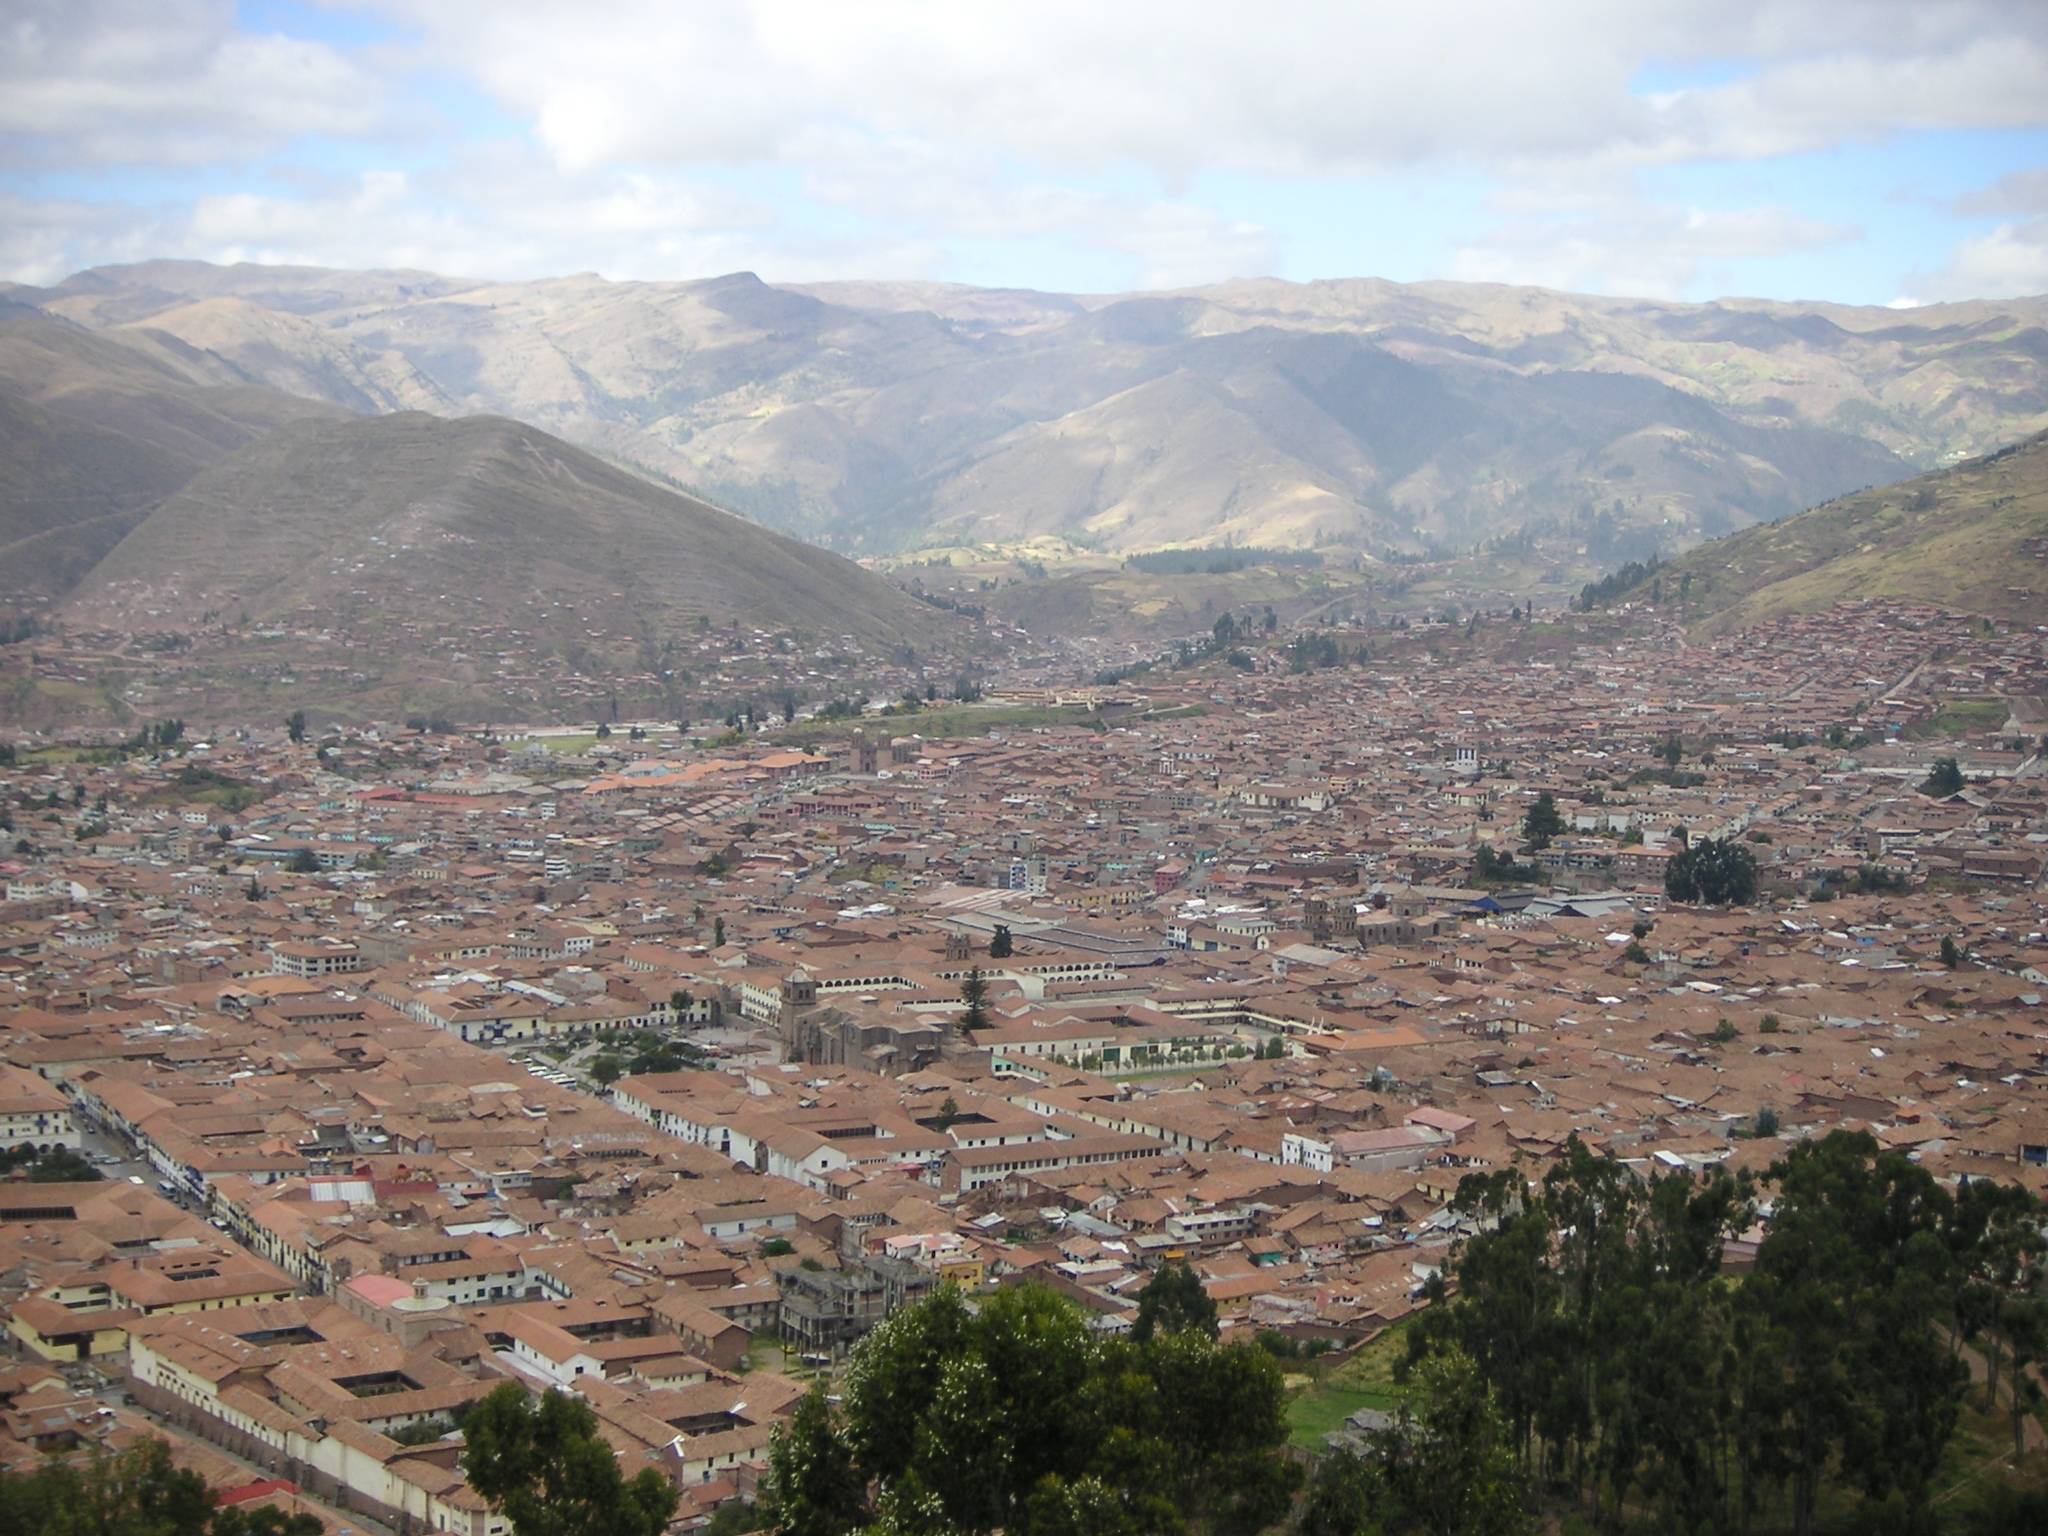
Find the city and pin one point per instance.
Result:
(666, 1068)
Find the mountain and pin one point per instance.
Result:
(389, 523)
(1376, 416)
(94, 433)
(1972, 538)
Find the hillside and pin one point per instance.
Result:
(94, 433)
(880, 417)
(1972, 538)
(479, 521)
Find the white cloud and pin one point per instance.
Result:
(1627, 246)
(2009, 262)
(902, 131)
(93, 82)
(1317, 86)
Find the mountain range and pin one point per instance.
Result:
(1362, 415)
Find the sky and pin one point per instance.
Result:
(1856, 151)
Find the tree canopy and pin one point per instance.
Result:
(135, 1493)
(1544, 821)
(1624, 1365)
(553, 1474)
(1016, 1417)
(1174, 1302)
(974, 994)
(1716, 871)
(1944, 779)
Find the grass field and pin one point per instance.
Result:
(1318, 1410)
(1329, 1393)
(1962, 717)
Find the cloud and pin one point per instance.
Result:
(1313, 87)
(100, 82)
(2009, 262)
(1625, 245)
(816, 138)
(2006, 262)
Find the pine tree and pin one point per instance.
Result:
(974, 993)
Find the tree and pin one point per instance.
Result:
(813, 1488)
(295, 725)
(1449, 1463)
(59, 1165)
(680, 1003)
(1714, 871)
(136, 1493)
(1344, 1496)
(1174, 1302)
(1674, 750)
(999, 945)
(949, 1114)
(974, 993)
(1951, 952)
(551, 1472)
(1016, 1417)
(1491, 868)
(1843, 1300)
(303, 862)
(265, 1520)
(1543, 822)
(718, 933)
(1944, 779)
(2008, 1510)
(607, 1069)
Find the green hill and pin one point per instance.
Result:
(1972, 538)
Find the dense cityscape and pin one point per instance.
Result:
(665, 1066)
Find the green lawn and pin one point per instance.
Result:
(1366, 1380)
(1317, 1410)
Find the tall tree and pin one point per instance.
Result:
(1448, 1463)
(1944, 779)
(813, 1487)
(1544, 821)
(1174, 1302)
(1343, 1497)
(552, 1473)
(1715, 871)
(974, 993)
(1849, 1284)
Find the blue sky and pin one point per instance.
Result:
(1869, 152)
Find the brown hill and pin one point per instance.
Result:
(410, 516)
(93, 434)
(1973, 538)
